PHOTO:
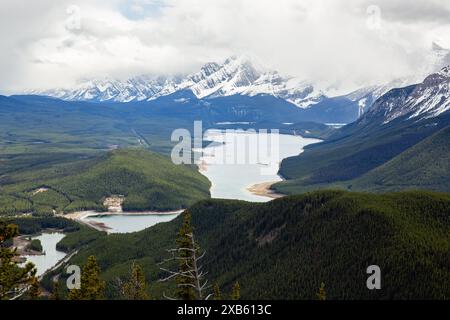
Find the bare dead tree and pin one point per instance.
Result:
(192, 273)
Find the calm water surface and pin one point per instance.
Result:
(231, 179)
(51, 256)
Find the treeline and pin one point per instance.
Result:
(33, 225)
(187, 276)
(183, 268)
(397, 156)
(287, 248)
(147, 180)
(15, 280)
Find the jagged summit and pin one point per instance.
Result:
(238, 75)
(425, 100)
(242, 74)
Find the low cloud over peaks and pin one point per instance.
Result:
(349, 43)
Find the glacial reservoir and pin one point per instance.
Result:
(238, 160)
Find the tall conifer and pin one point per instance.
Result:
(92, 286)
(136, 287)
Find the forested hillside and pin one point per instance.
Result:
(286, 248)
(426, 165)
(354, 151)
(148, 181)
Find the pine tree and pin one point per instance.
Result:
(136, 287)
(92, 286)
(190, 279)
(186, 285)
(12, 277)
(217, 293)
(35, 291)
(236, 291)
(321, 295)
(55, 291)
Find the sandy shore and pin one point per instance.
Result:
(263, 189)
(81, 216)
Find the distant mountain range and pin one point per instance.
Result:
(241, 84)
(241, 75)
(235, 76)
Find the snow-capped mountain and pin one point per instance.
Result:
(437, 58)
(428, 99)
(241, 75)
(135, 89)
(236, 75)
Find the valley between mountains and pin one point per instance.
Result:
(363, 179)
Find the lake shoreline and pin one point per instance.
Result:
(50, 255)
(252, 180)
(264, 190)
(82, 217)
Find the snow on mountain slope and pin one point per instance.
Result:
(432, 97)
(294, 90)
(237, 75)
(242, 75)
(135, 89)
(437, 58)
(422, 101)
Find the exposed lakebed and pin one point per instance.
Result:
(128, 222)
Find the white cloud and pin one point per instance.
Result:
(332, 40)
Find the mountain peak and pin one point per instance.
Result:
(237, 75)
(425, 100)
(445, 72)
(436, 47)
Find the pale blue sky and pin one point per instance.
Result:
(141, 9)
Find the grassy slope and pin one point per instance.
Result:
(148, 180)
(284, 249)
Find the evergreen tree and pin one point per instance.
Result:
(321, 295)
(190, 279)
(35, 291)
(217, 293)
(185, 285)
(55, 291)
(12, 277)
(136, 287)
(92, 286)
(236, 291)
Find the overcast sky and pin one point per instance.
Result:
(47, 43)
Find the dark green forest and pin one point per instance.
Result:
(148, 181)
(286, 248)
(396, 156)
